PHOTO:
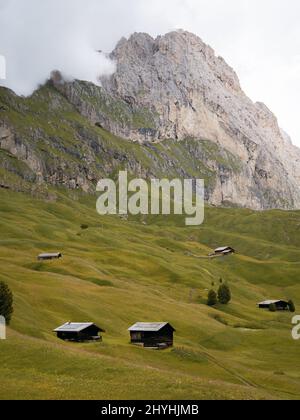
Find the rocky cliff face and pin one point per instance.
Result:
(172, 109)
(191, 93)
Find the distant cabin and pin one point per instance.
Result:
(152, 334)
(80, 332)
(224, 250)
(54, 256)
(281, 305)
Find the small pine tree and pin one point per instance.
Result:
(273, 307)
(6, 302)
(213, 284)
(292, 306)
(212, 299)
(224, 294)
(221, 281)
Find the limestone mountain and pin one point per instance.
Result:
(172, 108)
(195, 94)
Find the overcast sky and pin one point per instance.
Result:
(259, 38)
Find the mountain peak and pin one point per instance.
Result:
(172, 90)
(192, 93)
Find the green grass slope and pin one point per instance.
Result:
(118, 272)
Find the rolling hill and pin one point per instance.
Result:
(118, 272)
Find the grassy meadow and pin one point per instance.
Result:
(118, 272)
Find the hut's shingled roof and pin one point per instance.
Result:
(76, 327)
(149, 326)
(270, 302)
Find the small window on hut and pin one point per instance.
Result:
(137, 336)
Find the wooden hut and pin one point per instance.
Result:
(80, 332)
(223, 251)
(280, 305)
(152, 334)
(53, 256)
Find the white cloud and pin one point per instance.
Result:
(259, 38)
(37, 37)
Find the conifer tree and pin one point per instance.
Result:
(224, 294)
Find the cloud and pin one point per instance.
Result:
(260, 39)
(40, 36)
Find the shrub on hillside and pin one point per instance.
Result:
(212, 299)
(292, 306)
(6, 302)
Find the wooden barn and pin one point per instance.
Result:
(280, 305)
(224, 250)
(80, 332)
(54, 256)
(152, 334)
